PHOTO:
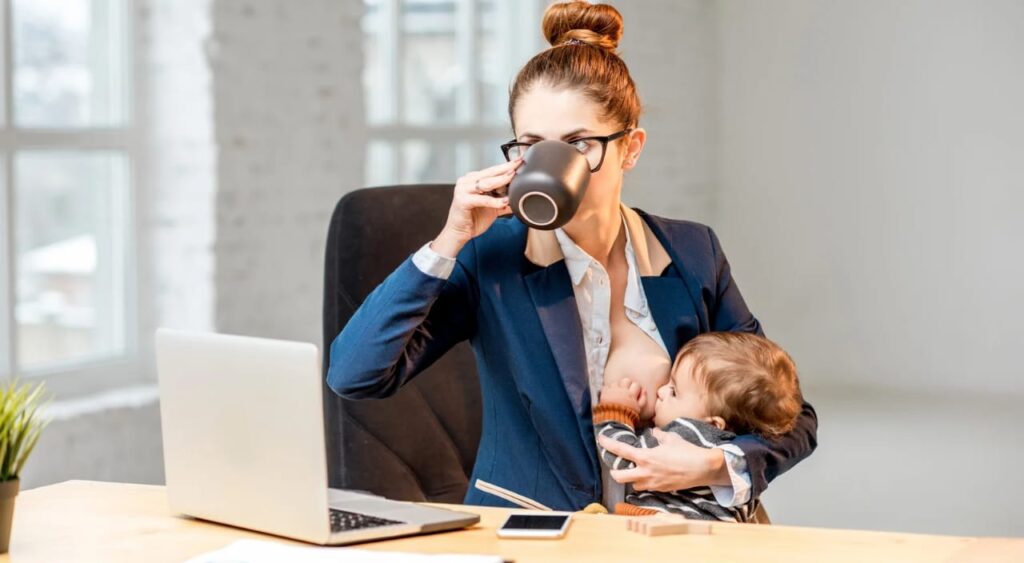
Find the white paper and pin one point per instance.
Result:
(259, 551)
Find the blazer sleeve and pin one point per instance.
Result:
(405, 324)
(766, 459)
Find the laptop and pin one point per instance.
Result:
(243, 439)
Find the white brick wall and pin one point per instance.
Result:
(288, 120)
(669, 47)
(178, 163)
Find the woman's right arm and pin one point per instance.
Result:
(412, 318)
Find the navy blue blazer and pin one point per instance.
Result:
(523, 325)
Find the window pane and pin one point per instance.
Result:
(494, 75)
(430, 69)
(425, 162)
(69, 67)
(378, 85)
(508, 37)
(490, 152)
(465, 161)
(71, 214)
(380, 164)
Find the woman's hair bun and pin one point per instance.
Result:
(594, 24)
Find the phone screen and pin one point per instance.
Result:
(535, 522)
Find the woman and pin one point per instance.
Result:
(552, 314)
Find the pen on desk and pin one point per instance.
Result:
(515, 498)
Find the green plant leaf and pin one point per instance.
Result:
(20, 425)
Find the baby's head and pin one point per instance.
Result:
(736, 381)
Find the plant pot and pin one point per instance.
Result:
(8, 492)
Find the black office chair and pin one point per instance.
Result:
(419, 444)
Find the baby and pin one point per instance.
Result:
(721, 384)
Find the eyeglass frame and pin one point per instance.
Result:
(603, 139)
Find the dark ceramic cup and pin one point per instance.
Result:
(549, 185)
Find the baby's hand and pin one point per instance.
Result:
(625, 392)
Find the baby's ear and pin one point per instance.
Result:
(716, 421)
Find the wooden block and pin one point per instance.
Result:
(667, 524)
(698, 527)
(667, 528)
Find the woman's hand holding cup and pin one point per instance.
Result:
(479, 198)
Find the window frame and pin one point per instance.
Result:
(471, 126)
(87, 375)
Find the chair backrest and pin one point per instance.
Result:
(419, 444)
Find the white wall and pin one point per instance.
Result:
(669, 47)
(871, 186)
(289, 127)
(178, 164)
(870, 198)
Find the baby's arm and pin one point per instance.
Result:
(616, 416)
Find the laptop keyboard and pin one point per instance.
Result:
(344, 521)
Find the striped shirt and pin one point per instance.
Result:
(697, 503)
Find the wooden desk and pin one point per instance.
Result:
(110, 522)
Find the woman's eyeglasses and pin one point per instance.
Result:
(593, 148)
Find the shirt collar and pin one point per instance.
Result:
(634, 299)
(577, 261)
(542, 248)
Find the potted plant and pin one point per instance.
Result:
(19, 431)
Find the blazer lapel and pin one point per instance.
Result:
(551, 290)
(668, 295)
(672, 309)
(552, 294)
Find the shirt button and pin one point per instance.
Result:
(600, 340)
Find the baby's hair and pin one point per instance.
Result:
(749, 380)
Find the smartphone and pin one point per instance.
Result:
(542, 525)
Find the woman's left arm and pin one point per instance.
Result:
(677, 464)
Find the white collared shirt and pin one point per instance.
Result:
(592, 289)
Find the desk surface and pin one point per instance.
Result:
(92, 521)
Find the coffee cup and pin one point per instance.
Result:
(549, 185)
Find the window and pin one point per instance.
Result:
(436, 82)
(66, 130)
